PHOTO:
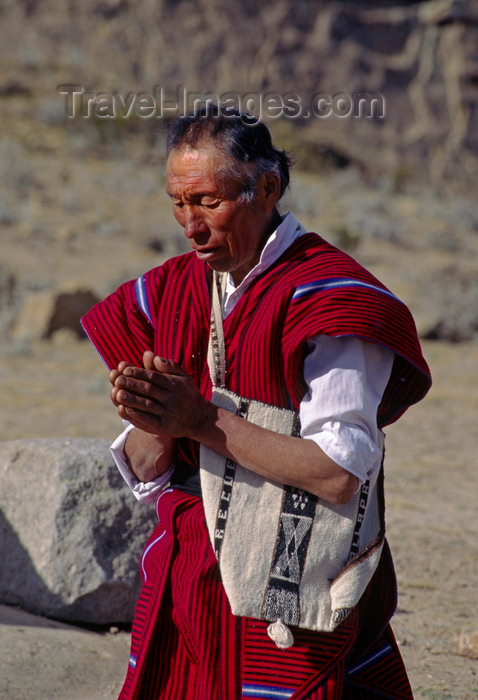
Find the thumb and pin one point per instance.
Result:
(148, 360)
(168, 366)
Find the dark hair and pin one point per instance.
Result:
(239, 136)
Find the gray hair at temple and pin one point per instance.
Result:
(242, 139)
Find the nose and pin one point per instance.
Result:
(192, 222)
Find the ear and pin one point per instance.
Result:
(271, 187)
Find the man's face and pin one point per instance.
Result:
(225, 231)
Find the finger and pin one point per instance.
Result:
(119, 399)
(113, 375)
(113, 396)
(148, 360)
(160, 364)
(138, 403)
(168, 367)
(138, 374)
(141, 420)
(139, 394)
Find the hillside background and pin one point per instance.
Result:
(82, 208)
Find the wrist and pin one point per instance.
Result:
(148, 456)
(206, 424)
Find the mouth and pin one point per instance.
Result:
(206, 253)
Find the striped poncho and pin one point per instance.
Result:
(312, 288)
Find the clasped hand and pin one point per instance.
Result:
(159, 398)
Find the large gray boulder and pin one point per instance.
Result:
(45, 312)
(71, 532)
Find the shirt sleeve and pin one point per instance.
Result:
(145, 492)
(346, 379)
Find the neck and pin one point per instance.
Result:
(274, 222)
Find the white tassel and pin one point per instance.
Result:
(280, 634)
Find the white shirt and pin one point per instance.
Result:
(346, 378)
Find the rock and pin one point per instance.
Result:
(455, 294)
(468, 644)
(446, 11)
(7, 216)
(12, 88)
(44, 313)
(8, 289)
(47, 659)
(71, 532)
(34, 317)
(69, 308)
(416, 61)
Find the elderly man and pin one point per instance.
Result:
(256, 373)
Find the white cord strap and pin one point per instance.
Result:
(278, 632)
(216, 352)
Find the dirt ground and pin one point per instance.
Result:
(58, 387)
(431, 484)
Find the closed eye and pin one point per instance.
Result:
(210, 203)
(207, 202)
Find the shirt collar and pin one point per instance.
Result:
(285, 234)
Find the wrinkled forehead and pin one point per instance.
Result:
(207, 165)
(189, 166)
(204, 155)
